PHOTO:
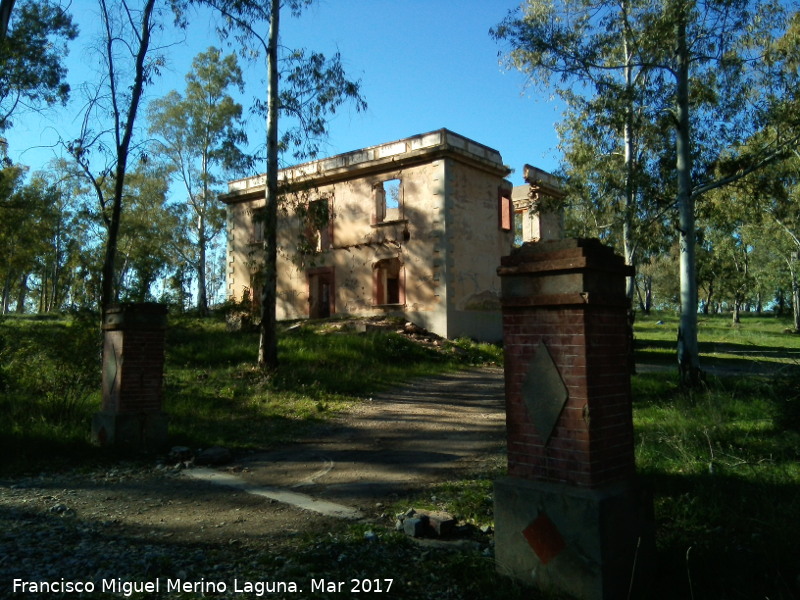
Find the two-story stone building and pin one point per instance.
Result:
(414, 227)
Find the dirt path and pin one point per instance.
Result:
(430, 430)
(130, 519)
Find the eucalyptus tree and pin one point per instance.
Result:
(14, 239)
(772, 198)
(130, 60)
(147, 235)
(201, 133)
(39, 239)
(60, 234)
(614, 180)
(703, 64)
(307, 88)
(33, 44)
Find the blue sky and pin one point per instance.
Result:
(423, 65)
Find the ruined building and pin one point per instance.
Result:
(414, 228)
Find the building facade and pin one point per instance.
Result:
(414, 228)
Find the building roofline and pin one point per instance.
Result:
(386, 157)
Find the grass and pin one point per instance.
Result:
(50, 380)
(49, 388)
(756, 342)
(722, 462)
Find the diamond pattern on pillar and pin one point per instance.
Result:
(544, 392)
(545, 538)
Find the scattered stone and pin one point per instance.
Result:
(415, 527)
(426, 523)
(442, 523)
(437, 527)
(216, 455)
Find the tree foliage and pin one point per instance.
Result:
(306, 88)
(692, 71)
(31, 52)
(130, 60)
(201, 134)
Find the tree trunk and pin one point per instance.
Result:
(44, 287)
(23, 293)
(268, 342)
(6, 6)
(6, 300)
(688, 353)
(630, 194)
(202, 295)
(709, 297)
(124, 133)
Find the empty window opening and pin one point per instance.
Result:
(318, 226)
(520, 216)
(388, 282)
(257, 216)
(388, 200)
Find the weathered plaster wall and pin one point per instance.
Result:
(358, 243)
(475, 244)
(241, 252)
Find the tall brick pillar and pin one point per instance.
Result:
(569, 517)
(133, 374)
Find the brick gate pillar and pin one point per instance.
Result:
(569, 516)
(133, 374)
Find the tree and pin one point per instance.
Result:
(770, 197)
(14, 232)
(32, 47)
(614, 180)
(130, 63)
(6, 6)
(147, 235)
(200, 135)
(700, 61)
(59, 233)
(309, 89)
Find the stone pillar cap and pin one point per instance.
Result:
(545, 183)
(139, 315)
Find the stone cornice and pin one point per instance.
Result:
(385, 158)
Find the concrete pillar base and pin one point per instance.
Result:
(591, 544)
(139, 432)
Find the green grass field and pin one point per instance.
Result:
(722, 462)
